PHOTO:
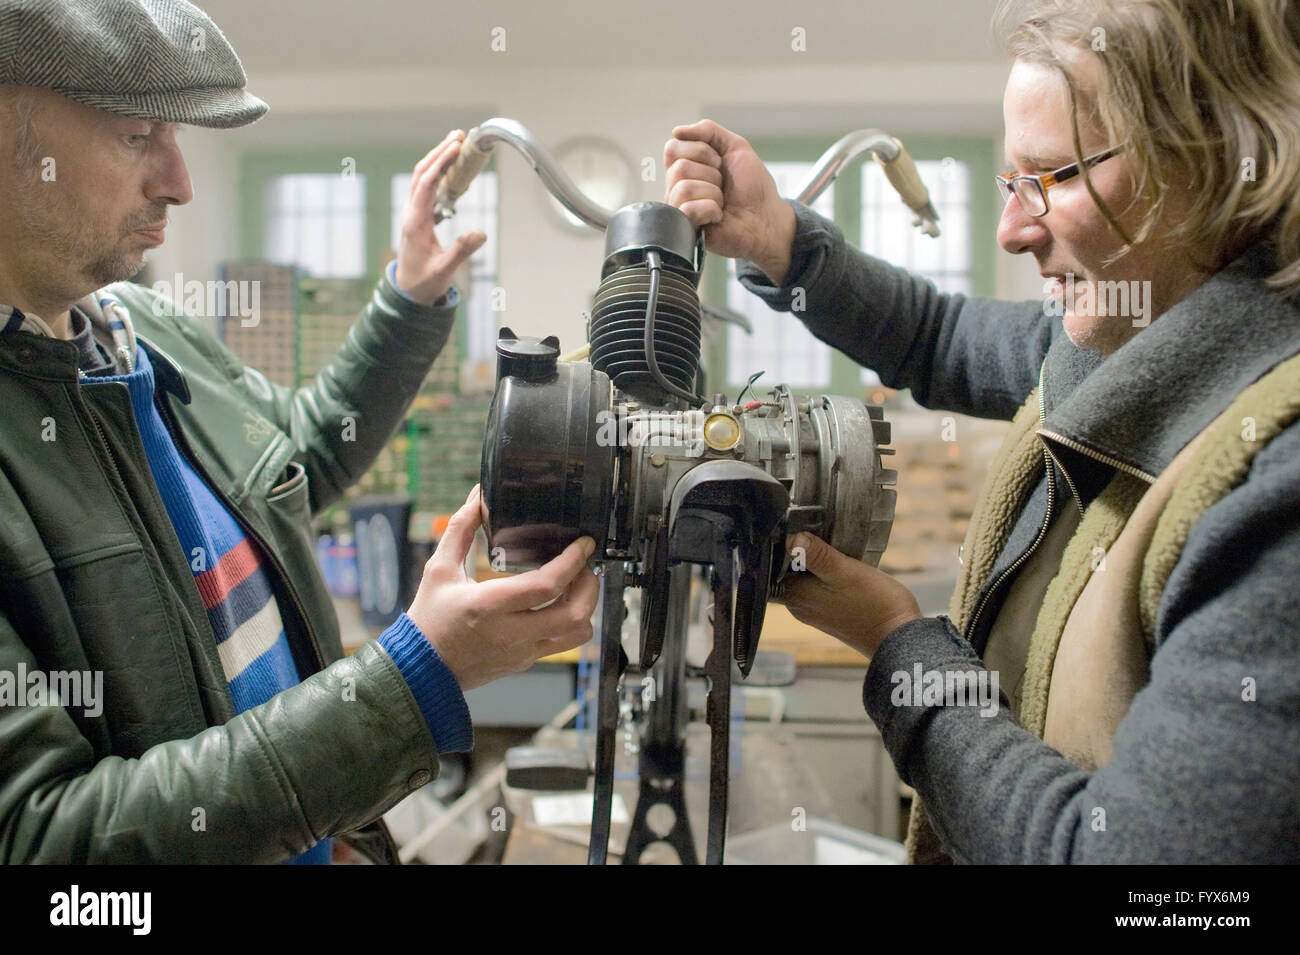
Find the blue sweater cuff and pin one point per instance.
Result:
(449, 298)
(433, 685)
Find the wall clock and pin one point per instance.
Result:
(601, 169)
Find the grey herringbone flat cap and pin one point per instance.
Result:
(160, 60)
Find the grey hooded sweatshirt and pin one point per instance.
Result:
(1199, 773)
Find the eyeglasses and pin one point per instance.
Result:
(1031, 191)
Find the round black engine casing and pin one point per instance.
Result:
(649, 225)
(546, 479)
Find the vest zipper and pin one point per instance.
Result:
(1066, 474)
(164, 409)
(1096, 456)
(1042, 531)
(1050, 459)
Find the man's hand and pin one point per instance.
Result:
(852, 601)
(716, 178)
(424, 267)
(484, 631)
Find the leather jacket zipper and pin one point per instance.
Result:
(103, 440)
(111, 457)
(182, 445)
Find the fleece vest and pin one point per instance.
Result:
(1074, 638)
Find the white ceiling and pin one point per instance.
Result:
(273, 36)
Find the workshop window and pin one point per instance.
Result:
(475, 210)
(316, 221)
(780, 345)
(887, 230)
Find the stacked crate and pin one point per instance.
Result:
(435, 453)
(327, 309)
(448, 447)
(269, 344)
(942, 460)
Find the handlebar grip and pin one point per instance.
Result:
(468, 164)
(902, 175)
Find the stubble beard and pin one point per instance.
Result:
(1093, 330)
(74, 255)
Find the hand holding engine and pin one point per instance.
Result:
(484, 631)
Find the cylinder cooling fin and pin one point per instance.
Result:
(652, 258)
(618, 332)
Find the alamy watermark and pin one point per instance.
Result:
(74, 688)
(75, 907)
(231, 299)
(921, 687)
(1110, 299)
(651, 429)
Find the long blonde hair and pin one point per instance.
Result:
(1211, 86)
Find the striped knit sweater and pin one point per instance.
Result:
(232, 580)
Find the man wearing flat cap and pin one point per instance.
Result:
(155, 495)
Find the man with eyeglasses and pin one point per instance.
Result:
(1129, 571)
(1031, 190)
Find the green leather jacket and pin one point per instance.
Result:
(93, 578)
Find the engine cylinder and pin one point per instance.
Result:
(618, 314)
(617, 332)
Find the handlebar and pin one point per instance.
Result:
(474, 154)
(482, 139)
(479, 143)
(899, 169)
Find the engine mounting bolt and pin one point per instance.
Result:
(657, 459)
